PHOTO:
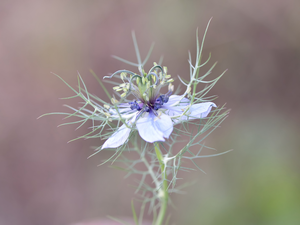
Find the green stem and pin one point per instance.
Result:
(163, 191)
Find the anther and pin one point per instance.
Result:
(147, 108)
(134, 105)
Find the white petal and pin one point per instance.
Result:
(118, 138)
(200, 110)
(175, 98)
(147, 130)
(196, 111)
(174, 110)
(164, 124)
(152, 128)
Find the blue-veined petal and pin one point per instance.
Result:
(152, 128)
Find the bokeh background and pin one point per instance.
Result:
(45, 180)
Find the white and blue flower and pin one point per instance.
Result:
(153, 114)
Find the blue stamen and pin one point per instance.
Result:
(164, 98)
(134, 105)
(147, 108)
(156, 106)
(160, 101)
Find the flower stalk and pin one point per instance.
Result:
(163, 191)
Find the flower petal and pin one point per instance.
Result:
(118, 138)
(196, 111)
(175, 98)
(174, 110)
(200, 110)
(152, 128)
(147, 130)
(164, 124)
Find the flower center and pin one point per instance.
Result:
(150, 105)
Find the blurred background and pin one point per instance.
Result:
(45, 180)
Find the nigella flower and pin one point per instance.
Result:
(152, 114)
(148, 106)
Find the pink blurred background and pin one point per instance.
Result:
(45, 180)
